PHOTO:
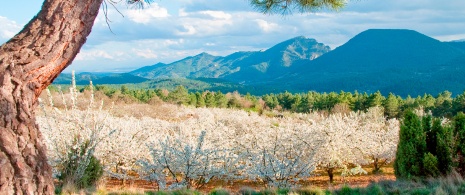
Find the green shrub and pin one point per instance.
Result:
(421, 191)
(283, 191)
(346, 190)
(248, 191)
(375, 189)
(185, 192)
(430, 163)
(461, 189)
(81, 169)
(267, 192)
(310, 191)
(219, 191)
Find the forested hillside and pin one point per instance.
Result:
(404, 62)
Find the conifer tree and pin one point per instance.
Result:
(459, 133)
(443, 146)
(411, 147)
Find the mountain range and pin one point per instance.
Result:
(404, 62)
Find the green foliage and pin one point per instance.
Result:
(430, 165)
(459, 131)
(346, 190)
(200, 100)
(219, 191)
(286, 7)
(310, 191)
(421, 191)
(375, 99)
(267, 192)
(179, 96)
(210, 100)
(411, 147)
(283, 191)
(248, 191)
(185, 192)
(221, 100)
(375, 189)
(444, 144)
(431, 141)
(431, 136)
(81, 169)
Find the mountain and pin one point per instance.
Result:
(404, 62)
(457, 44)
(179, 69)
(281, 58)
(400, 61)
(239, 66)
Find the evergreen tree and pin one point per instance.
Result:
(210, 100)
(375, 99)
(306, 103)
(459, 133)
(200, 100)
(391, 106)
(271, 101)
(192, 99)
(430, 135)
(286, 100)
(443, 150)
(179, 96)
(360, 101)
(221, 100)
(124, 89)
(297, 100)
(411, 147)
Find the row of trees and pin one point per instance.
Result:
(441, 105)
(429, 147)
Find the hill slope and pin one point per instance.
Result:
(399, 61)
(239, 66)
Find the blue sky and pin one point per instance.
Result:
(171, 30)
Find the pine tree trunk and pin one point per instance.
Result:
(29, 62)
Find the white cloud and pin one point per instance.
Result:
(266, 26)
(170, 42)
(145, 53)
(93, 54)
(9, 28)
(182, 12)
(217, 14)
(148, 14)
(454, 37)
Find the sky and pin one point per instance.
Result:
(167, 31)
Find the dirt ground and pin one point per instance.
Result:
(321, 181)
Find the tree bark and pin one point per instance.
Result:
(330, 174)
(29, 62)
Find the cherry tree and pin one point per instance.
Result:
(232, 144)
(381, 137)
